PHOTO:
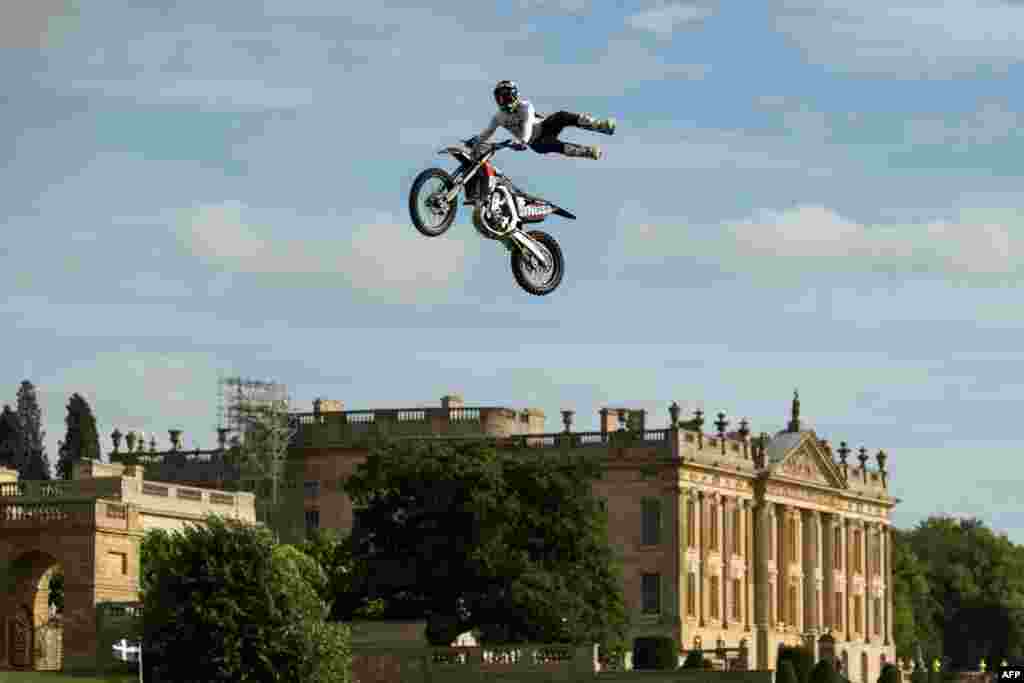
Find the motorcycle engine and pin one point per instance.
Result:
(496, 217)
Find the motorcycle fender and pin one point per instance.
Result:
(526, 243)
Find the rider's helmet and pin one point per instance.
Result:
(506, 94)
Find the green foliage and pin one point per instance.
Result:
(694, 660)
(12, 440)
(824, 672)
(36, 464)
(655, 653)
(514, 545)
(785, 673)
(959, 590)
(334, 554)
(56, 597)
(889, 674)
(229, 586)
(801, 658)
(81, 440)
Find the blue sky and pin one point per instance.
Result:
(799, 194)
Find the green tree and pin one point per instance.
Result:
(36, 464)
(229, 586)
(694, 660)
(512, 544)
(12, 441)
(81, 440)
(915, 615)
(976, 586)
(889, 674)
(802, 660)
(334, 554)
(786, 673)
(824, 672)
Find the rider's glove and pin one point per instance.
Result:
(519, 146)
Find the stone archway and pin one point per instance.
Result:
(20, 644)
(32, 634)
(98, 563)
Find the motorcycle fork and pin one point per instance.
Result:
(525, 243)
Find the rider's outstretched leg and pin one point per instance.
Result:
(581, 151)
(588, 122)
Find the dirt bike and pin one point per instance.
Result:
(500, 212)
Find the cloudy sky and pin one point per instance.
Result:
(799, 195)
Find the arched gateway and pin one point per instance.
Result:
(89, 527)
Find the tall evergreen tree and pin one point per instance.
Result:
(36, 464)
(81, 440)
(11, 441)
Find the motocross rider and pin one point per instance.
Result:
(539, 132)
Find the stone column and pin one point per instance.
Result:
(801, 569)
(748, 562)
(848, 573)
(681, 545)
(763, 521)
(725, 548)
(781, 563)
(809, 520)
(679, 537)
(869, 575)
(828, 569)
(701, 558)
(887, 586)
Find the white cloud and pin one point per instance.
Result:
(992, 122)
(976, 243)
(663, 21)
(378, 253)
(906, 39)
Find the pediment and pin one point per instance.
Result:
(809, 462)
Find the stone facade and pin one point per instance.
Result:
(755, 541)
(89, 526)
(726, 539)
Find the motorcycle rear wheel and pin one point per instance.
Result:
(418, 204)
(520, 265)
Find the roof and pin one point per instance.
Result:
(781, 444)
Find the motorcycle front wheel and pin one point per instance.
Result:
(430, 213)
(531, 275)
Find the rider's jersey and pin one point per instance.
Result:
(522, 123)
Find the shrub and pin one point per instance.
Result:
(824, 672)
(655, 653)
(802, 660)
(694, 660)
(786, 673)
(889, 674)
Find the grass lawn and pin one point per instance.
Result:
(48, 677)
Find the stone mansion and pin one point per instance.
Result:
(730, 542)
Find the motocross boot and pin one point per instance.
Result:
(606, 126)
(582, 151)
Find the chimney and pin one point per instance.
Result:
(452, 401)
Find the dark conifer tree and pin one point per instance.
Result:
(81, 440)
(36, 463)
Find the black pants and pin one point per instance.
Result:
(551, 127)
